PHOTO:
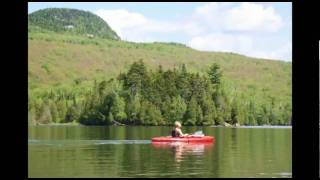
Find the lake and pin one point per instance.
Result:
(127, 151)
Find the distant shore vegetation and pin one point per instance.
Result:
(145, 97)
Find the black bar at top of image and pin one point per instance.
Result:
(305, 91)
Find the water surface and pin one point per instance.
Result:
(80, 151)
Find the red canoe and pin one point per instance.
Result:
(188, 139)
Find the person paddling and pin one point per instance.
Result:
(177, 131)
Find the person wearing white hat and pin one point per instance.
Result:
(177, 131)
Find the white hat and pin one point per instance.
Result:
(177, 123)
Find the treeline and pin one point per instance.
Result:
(144, 97)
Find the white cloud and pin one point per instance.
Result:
(192, 28)
(238, 27)
(210, 17)
(134, 26)
(121, 19)
(215, 26)
(284, 52)
(242, 44)
(253, 17)
(215, 16)
(237, 17)
(222, 42)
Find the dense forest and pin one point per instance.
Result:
(72, 21)
(158, 97)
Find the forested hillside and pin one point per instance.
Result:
(76, 78)
(71, 21)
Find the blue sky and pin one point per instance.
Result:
(253, 29)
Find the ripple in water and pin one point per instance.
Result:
(85, 142)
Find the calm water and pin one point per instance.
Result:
(78, 151)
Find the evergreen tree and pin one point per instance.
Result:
(179, 107)
(219, 118)
(136, 78)
(209, 110)
(54, 112)
(191, 113)
(199, 115)
(167, 111)
(143, 116)
(174, 109)
(182, 83)
(73, 114)
(234, 113)
(252, 114)
(118, 108)
(150, 114)
(169, 78)
(215, 74)
(31, 116)
(110, 119)
(62, 110)
(286, 115)
(45, 116)
(133, 108)
(262, 115)
(265, 115)
(251, 120)
(101, 88)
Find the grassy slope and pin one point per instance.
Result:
(58, 59)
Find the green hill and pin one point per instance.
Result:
(70, 21)
(56, 59)
(69, 62)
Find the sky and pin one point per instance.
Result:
(262, 30)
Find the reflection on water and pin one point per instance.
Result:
(84, 142)
(182, 149)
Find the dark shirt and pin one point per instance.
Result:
(174, 133)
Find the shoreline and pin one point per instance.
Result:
(268, 126)
(214, 126)
(57, 124)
